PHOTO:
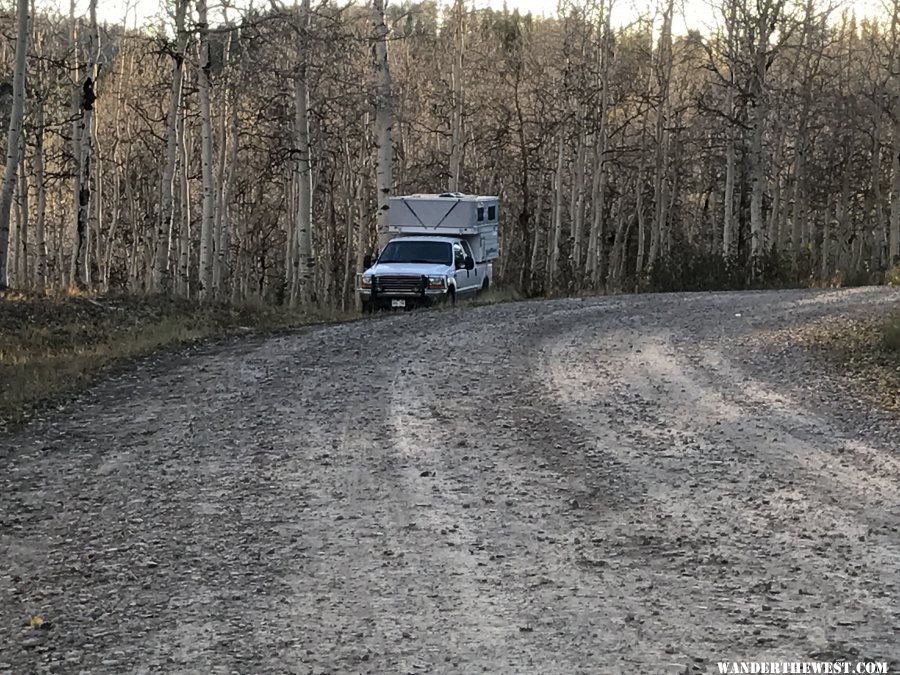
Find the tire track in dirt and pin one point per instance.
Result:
(576, 486)
(721, 460)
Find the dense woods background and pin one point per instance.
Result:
(239, 160)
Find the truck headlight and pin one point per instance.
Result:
(436, 282)
(366, 281)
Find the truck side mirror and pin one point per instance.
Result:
(470, 264)
(367, 261)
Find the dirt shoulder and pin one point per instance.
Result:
(865, 348)
(53, 347)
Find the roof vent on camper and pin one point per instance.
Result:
(451, 194)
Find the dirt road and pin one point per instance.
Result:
(635, 484)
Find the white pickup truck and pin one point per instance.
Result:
(441, 250)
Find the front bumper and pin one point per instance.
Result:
(412, 290)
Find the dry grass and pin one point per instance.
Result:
(892, 276)
(494, 296)
(51, 347)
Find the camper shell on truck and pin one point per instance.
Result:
(441, 248)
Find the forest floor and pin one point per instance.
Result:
(866, 348)
(642, 483)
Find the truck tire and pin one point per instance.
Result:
(451, 297)
(486, 286)
(367, 307)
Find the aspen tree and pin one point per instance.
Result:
(384, 147)
(16, 117)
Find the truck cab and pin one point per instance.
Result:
(422, 271)
(441, 251)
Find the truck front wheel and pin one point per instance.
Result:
(451, 297)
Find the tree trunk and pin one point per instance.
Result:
(729, 243)
(161, 281)
(874, 199)
(93, 249)
(729, 247)
(80, 257)
(641, 218)
(348, 190)
(616, 256)
(184, 238)
(303, 289)
(576, 206)
(757, 157)
(22, 229)
(597, 238)
(457, 74)
(384, 144)
(13, 141)
(290, 235)
(362, 212)
(75, 105)
(207, 222)
(223, 243)
(894, 232)
(40, 261)
(799, 206)
(556, 240)
(664, 71)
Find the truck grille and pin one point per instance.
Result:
(400, 285)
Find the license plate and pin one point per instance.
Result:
(398, 303)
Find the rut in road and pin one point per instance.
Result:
(647, 484)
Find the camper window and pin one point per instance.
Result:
(492, 213)
(480, 214)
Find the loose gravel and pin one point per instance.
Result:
(624, 484)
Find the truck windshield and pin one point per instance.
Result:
(435, 252)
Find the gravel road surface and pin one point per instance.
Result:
(645, 484)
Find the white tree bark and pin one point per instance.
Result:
(23, 221)
(729, 243)
(160, 279)
(40, 262)
(384, 177)
(290, 238)
(75, 106)
(304, 279)
(80, 257)
(892, 238)
(894, 231)
(576, 205)
(553, 267)
(537, 231)
(598, 191)
(758, 163)
(207, 222)
(17, 114)
(184, 239)
(223, 242)
(874, 197)
(362, 222)
(457, 75)
(660, 216)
